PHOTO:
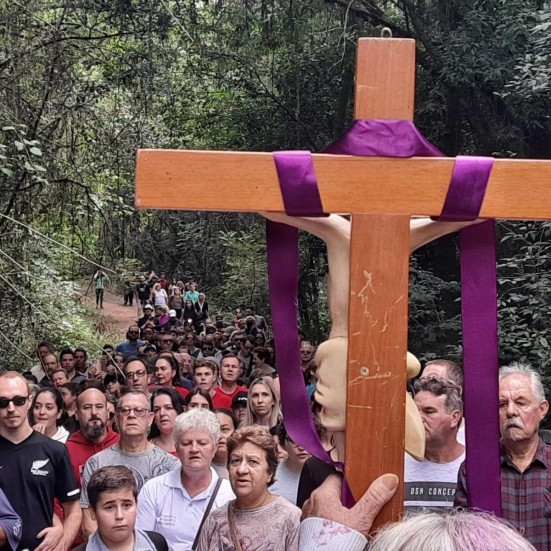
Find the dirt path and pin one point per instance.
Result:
(116, 318)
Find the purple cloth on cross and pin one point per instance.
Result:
(392, 138)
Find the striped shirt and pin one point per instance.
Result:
(525, 497)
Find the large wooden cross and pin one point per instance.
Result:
(381, 194)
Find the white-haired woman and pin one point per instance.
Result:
(176, 504)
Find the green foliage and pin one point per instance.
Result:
(524, 309)
(434, 315)
(82, 85)
(245, 279)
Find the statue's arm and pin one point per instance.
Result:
(425, 230)
(334, 230)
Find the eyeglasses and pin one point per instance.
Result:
(16, 400)
(136, 374)
(167, 341)
(138, 412)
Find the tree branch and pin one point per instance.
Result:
(372, 16)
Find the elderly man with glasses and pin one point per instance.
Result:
(134, 418)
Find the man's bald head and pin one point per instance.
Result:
(92, 414)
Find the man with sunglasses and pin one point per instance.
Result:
(130, 346)
(165, 342)
(33, 470)
(134, 418)
(247, 343)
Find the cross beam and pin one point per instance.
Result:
(210, 179)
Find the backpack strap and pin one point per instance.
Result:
(158, 540)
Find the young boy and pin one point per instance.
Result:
(112, 493)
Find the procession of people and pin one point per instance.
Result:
(174, 438)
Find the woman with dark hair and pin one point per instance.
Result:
(190, 315)
(256, 516)
(228, 424)
(69, 393)
(113, 383)
(46, 414)
(166, 404)
(198, 398)
(166, 373)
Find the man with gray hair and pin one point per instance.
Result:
(134, 418)
(445, 369)
(451, 371)
(432, 482)
(525, 458)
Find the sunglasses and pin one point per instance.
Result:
(16, 400)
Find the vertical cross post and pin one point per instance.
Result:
(379, 288)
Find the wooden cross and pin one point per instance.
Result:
(381, 194)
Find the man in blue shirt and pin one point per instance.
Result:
(130, 346)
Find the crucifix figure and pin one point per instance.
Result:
(381, 194)
(331, 355)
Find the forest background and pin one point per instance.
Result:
(84, 83)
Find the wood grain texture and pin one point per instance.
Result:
(385, 78)
(232, 181)
(379, 291)
(378, 320)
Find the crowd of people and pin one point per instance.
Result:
(174, 438)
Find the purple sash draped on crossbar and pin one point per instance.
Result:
(390, 138)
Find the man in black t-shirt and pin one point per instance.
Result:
(33, 470)
(143, 291)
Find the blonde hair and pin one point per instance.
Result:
(275, 415)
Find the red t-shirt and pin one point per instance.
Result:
(224, 400)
